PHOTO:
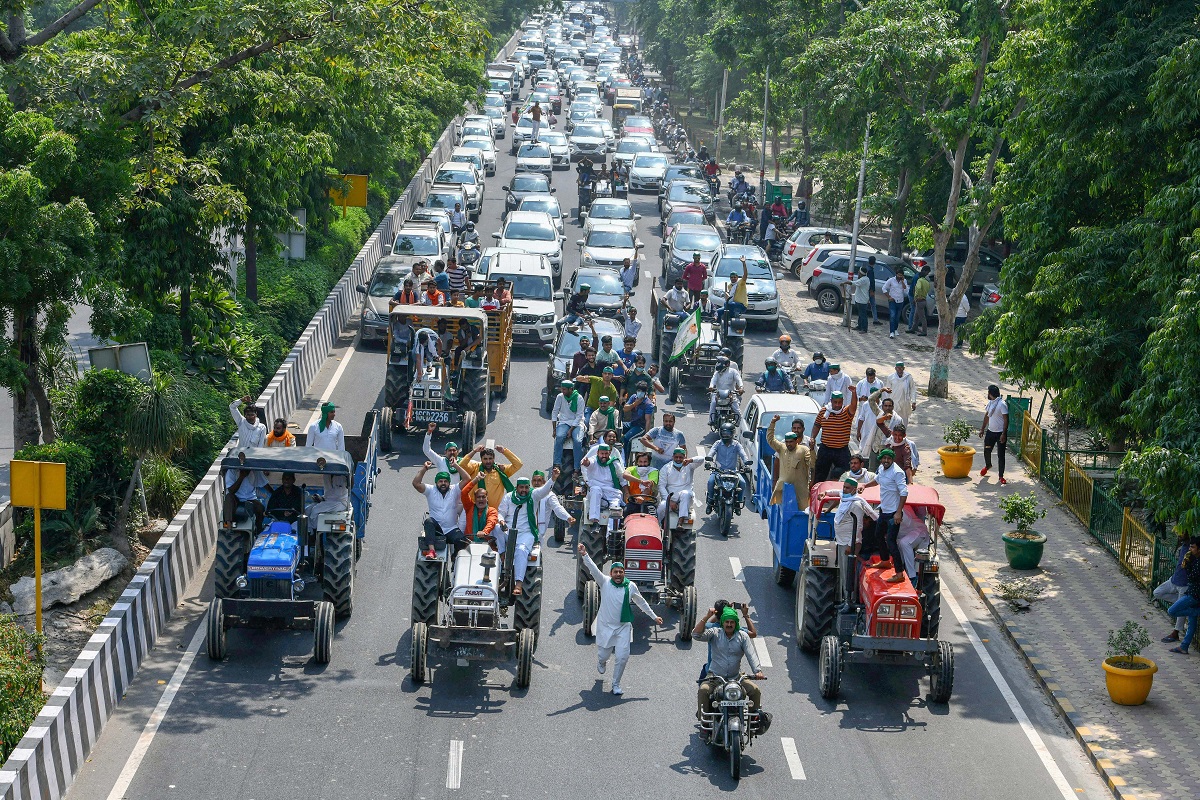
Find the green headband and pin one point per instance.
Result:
(451, 445)
(442, 476)
(565, 384)
(790, 435)
(616, 565)
(850, 482)
(537, 473)
(522, 481)
(604, 447)
(680, 451)
(887, 451)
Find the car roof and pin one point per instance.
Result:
(788, 403)
(508, 263)
(528, 174)
(736, 250)
(606, 225)
(528, 216)
(419, 226)
(683, 208)
(539, 196)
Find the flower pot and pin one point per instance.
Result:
(1129, 687)
(1024, 550)
(956, 461)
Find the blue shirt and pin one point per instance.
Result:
(442, 280)
(727, 456)
(775, 381)
(628, 358)
(817, 372)
(736, 217)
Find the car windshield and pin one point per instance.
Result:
(634, 146)
(689, 192)
(605, 283)
(594, 131)
(638, 122)
(466, 158)
(539, 97)
(411, 244)
(685, 218)
(493, 112)
(568, 342)
(477, 144)
(530, 183)
(386, 284)
(530, 232)
(757, 268)
(442, 199)
(533, 151)
(455, 176)
(547, 204)
(645, 161)
(603, 210)
(475, 130)
(525, 122)
(582, 113)
(697, 241)
(599, 238)
(528, 287)
(553, 138)
(684, 172)
(493, 101)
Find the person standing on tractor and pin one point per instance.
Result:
(518, 516)
(447, 463)
(614, 619)
(251, 432)
(736, 296)
(566, 421)
(834, 422)
(726, 646)
(445, 508)
(727, 455)
(549, 504)
(478, 519)
(893, 493)
(326, 433)
(280, 436)
(694, 275)
(497, 479)
(603, 480)
(903, 390)
(795, 463)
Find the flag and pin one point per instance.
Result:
(689, 334)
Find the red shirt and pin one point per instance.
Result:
(710, 169)
(695, 273)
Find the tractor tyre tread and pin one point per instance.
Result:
(337, 576)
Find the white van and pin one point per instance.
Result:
(534, 309)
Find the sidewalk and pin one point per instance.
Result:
(1145, 752)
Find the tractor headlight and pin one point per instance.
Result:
(298, 585)
(241, 582)
(886, 610)
(908, 612)
(733, 691)
(435, 393)
(418, 392)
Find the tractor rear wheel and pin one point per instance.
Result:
(385, 430)
(591, 536)
(475, 396)
(427, 576)
(420, 652)
(395, 387)
(830, 666)
(526, 643)
(322, 632)
(687, 613)
(674, 385)
(337, 576)
(930, 586)
(560, 530)
(941, 674)
(503, 393)
(527, 614)
(815, 596)
(218, 646)
(783, 576)
(683, 559)
(469, 432)
(591, 607)
(230, 562)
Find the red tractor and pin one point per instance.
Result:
(849, 611)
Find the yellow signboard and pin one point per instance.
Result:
(356, 194)
(39, 484)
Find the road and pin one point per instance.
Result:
(268, 723)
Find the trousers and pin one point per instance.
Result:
(1186, 606)
(890, 539)
(684, 499)
(562, 433)
(621, 651)
(435, 536)
(990, 440)
(831, 461)
(710, 683)
(1169, 593)
(598, 494)
(525, 543)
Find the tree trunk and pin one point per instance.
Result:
(27, 427)
(117, 536)
(185, 313)
(900, 213)
(806, 147)
(251, 263)
(775, 149)
(939, 367)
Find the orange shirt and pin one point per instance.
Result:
(287, 440)
(492, 519)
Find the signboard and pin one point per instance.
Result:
(132, 359)
(355, 195)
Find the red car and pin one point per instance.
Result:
(637, 125)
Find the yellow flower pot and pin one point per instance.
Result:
(1129, 687)
(956, 461)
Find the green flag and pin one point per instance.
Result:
(689, 334)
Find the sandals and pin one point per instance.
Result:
(1179, 650)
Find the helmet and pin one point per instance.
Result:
(722, 362)
(785, 339)
(725, 351)
(470, 226)
(817, 355)
(771, 363)
(726, 432)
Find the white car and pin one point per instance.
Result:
(608, 246)
(533, 232)
(611, 211)
(532, 285)
(535, 157)
(646, 172)
(498, 119)
(587, 139)
(560, 151)
(803, 270)
(476, 128)
(547, 203)
(802, 240)
(486, 148)
(466, 176)
(467, 155)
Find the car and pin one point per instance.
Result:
(495, 100)
(647, 171)
(685, 241)
(477, 128)
(487, 150)
(498, 119)
(825, 282)
(637, 124)
(439, 216)
(762, 294)
(522, 185)
(466, 176)
(485, 259)
(610, 135)
(577, 114)
(611, 211)
(419, 241)
(534, 232)
(587, 139)
(802, 240)
(820, 253)
(535, 157)
(682, 215)
(445, 195)
(988, 272)
(689, 172)
(630, 147)
(561, 354)
(560, 151)
(466, 155)
(752, 426)
(688, 193)
(385, 282)
(606, 245)
(531, 279)
(522, 133)
(547, 203)
(606, 293)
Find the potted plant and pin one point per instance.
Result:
(957, 457)
(1128, 675)
(1023, 547)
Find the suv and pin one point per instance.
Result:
(825, 283)
(686, 240)
(522, 185)
(532, 282)
(387, 280)
(560, 355)
(990, 263)
(419, 241)
(802, 240)
(686, 171)
(445, 195)
(820, 253)
(469, 178)
(534, 232)
(762, 295)
(607, 245)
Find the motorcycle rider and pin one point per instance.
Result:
(738, 185)
(734, 222)
(469, 234)
(774, 379)
(727, 378)
(817, 370)
(785, 356)
(675, 483)
(799, 216)
(727, 455)
(603, 480)
(727, 645)
(712, 172)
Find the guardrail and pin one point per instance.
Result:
(46, 760)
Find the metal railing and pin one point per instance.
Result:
(1077, 488)
(1137, 549)
(1031, 444)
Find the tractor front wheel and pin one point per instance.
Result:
(218, 646)
(830, 667)
(526, 643)
(815, 597)
(941, 674)
(322, 632)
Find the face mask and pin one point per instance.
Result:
(819, 361)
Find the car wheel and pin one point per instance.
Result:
(829, 299)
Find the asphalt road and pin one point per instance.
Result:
(269, 723)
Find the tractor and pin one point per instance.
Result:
(846, 609)
(697, 364)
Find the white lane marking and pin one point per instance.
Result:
(1014, 705)
(454, 765)
(142, 746)
(793, 759)
(328, 393)
(736, 564)
(648, 275)
(764, 655)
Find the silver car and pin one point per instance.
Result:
(647, 171)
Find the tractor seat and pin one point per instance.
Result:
(922, 554)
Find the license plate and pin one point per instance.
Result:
(730, 703)
(441, 417)
(521, 331)
(467, 652)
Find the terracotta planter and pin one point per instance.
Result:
(1024, 551)
(1129, 687)
(956, 461)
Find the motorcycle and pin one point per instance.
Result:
(714, 184)
(733, 724)
(468, 255)
(727, 499)
(742, 233)
(725, 411)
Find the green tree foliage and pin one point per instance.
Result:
(21, 698)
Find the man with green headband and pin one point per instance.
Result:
(518, 513)
(614, 619)
(550, 504)
(566, 420)
(441, 524)
(893, 494)
(675, 484)
(496, 479)
(326, 433)
(447, 463)
(603, 480)
(727, 644)
(605, 418)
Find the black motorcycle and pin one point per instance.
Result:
(732, 724)
(726, 498)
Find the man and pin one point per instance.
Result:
(893, 493)
(921, 287)
(549, 504)
(736, 296)
(610, 438)
(326, 433)
(426, 351)
(584, 185)
(640, 480)
(536, 113)
(795, 463)
(1173, 588)
(1188, 605)
(628, 352)
(251, 432)
(580, 357)
(663, 440)
(280, 436)
(241, 488)
(603, 480)
(478, 519)
(708, 309)
(903, 390)
(960, 317)
(440, 278)
(773, 379)
(860, 297)
(837, 381)
(459, 276)
(447, 463)
(518, 517)
(577, 305)
(639, 408)
(726, 646)
(566, 420)
(904, 451)
(994, 430)
(433, 297)
(606, 356)
(605, 417)
(778, 209)
(445, 508)
(694, 275)
(675, 485)
(677, 300)
(726, 455)
(335, 497)
(738, 185)
(785, 356)
(834, 422)
(737, 217)
(799, 217)
(628, 271)
(896, 289)
(913, 536)
(871, 286)
(817, 370)
(614, 619)
(496, 479)
(859, 472)
(725, 378)
(628, 317)
(287, 502)
(458, 220)
(850, 528)
(876, 436)
(406, 295)
(489, 302)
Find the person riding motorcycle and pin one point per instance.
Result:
(774, 379)
(702, 154)
(725, 378)
(469, 234)
(727, 455)
(736, 217)
(727, 644)
(738, 185)
(818, 370)
(785, 356)
(799, 216)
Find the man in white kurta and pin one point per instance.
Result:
(603, 480)
(447, 463)
(614, 620)
(251, 432)
(549, 504)
(904, 391)
(675, 483)
(837, 381)
(864, 389)
(326, 433)
(518, 510)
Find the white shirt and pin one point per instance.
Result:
(508, 510)
(840, 382)
(786, 359)
(726, 379)
(904, 393)
(676, 299)
(336, 487)
(547, 505)
(892, 486)
(248, 435)
(458, 219)
(332, 438)
(439, 462)
(600, 475)
(862, 289)
(563, 415)
(994, 414)
(964, 305)
(632, 326)
(609, 628)
(249, 488)
(594, 452)
(444, 509)
(673, 479)
(896, 290)
(864, 390)
(849, 511)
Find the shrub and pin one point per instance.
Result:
(1127, 642)
(1021, 510)
(21, 698)
(167, 486)
(956, 433)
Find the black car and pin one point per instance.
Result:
(990, 263)
(522, 185)
(606, 293)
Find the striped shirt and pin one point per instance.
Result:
(835, 426)
(458, 278)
